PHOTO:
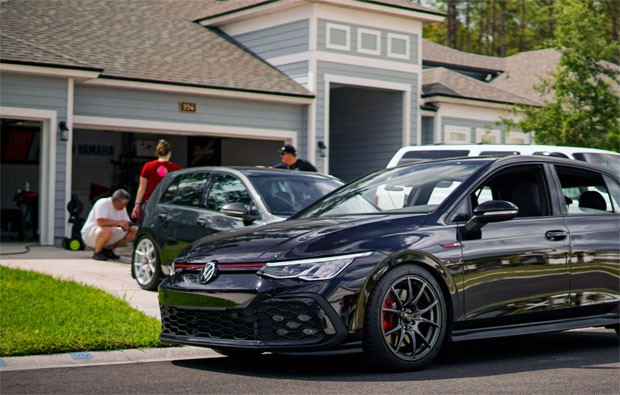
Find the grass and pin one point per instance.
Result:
(43, 315)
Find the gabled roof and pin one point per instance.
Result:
(440, 55)
(441, 82)
(128, 40)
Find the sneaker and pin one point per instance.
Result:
(110, 254)
(100, 256)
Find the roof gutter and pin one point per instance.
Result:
(79, 73)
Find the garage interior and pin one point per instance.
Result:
(103, 161)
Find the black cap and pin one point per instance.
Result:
(288, 149)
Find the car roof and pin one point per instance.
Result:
(523, 148)
(256, 170)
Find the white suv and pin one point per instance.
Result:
(417, 153)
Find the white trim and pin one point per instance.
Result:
(143, 126)
(329, 27)
(468, 102)
(354, 81)
(347, 59)
(394, 36)
(69, 153)
(428, 113)
(371, 32)
(49, 71)
(151, 86)
(312, 86)
(47, 165)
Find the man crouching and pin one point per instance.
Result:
(108, 226)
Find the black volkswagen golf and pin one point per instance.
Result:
(405, 258)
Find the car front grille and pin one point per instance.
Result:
(270, 322)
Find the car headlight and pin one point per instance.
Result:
(310, 269)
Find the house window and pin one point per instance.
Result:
(457, 135)
(488, 136)
(338, 37)
(517, 138)
(398, 46)
(368, 41)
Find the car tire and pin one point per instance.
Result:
(405, 320)
(238, 353)
(145, 263)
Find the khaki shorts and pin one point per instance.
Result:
(118, 234)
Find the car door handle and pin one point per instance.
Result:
(556, 234)
(202, 221)
(163, 216)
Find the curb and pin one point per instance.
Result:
(76, 359)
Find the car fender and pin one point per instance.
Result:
(421, 258)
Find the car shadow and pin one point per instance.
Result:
(480, 358)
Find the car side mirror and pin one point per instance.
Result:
(238, 210)
(491, 211)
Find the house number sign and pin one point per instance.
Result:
(187, 107)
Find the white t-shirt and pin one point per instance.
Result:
(103, 208)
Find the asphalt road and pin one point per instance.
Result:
(576, 362)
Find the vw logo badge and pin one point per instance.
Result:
(208, 272)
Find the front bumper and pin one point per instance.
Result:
(267, 323)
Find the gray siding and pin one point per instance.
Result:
(118, 103)
(366, 73)
(45, 93)
(279, 40)
(297, 71)
(365, 130)
(322, 39)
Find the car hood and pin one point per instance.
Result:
(300, 238)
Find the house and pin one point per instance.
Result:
(88, 87)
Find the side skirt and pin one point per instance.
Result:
(536, 327)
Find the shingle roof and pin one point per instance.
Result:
(204, 9)
(129, 40)
(440, 81)
(443, 55)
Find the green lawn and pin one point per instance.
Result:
(43, 315)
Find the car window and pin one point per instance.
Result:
(522, 185)
(610, 161)
(186, 190)
(413, 189)
(170, 193)
(229, 189)
(614, 191)
(585, 192)
(286, 194)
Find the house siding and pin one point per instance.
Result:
(414, 57)
(144, 105)
(298, 71)
(44, 93)
(472, 125)
(427, 130)
(286, 39)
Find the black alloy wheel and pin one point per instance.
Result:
(406, 320)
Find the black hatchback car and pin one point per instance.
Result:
(196, 202)
(469, 248)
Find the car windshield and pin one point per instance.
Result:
(416, 188)
(286, 194)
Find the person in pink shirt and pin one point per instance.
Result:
(152, 173)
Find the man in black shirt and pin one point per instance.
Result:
(291, 162)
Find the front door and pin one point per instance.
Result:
(518, 266)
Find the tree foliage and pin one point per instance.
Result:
(506, 27)
(584, 109)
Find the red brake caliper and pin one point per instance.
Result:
(388, 318)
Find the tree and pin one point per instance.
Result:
(584, 111)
